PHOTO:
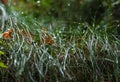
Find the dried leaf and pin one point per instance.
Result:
(10, 30)
(46, 38)
(28, 36)
(7, 34)
(49, 40)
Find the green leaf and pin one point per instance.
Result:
(1, 53)
(2, 65)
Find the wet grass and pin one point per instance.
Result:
(79, 53)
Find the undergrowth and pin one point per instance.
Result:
(79, 53)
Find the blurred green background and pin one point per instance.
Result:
(104, 13)
(70, 10)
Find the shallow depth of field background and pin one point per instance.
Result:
(61, 41)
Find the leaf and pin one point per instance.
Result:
(1, 53)
(46, 38)
(28, 36)
(10, 30)
(2, 65)
(7, 34)
(49, 40)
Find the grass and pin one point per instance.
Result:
(80, 53)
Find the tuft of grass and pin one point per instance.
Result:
(80, 53)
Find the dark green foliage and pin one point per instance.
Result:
(93, 11)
